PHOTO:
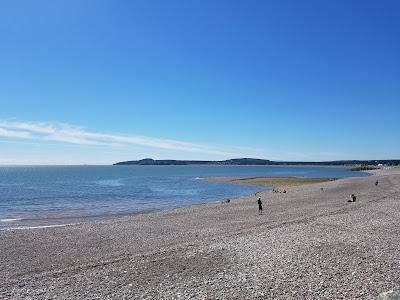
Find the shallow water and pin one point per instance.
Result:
(53, 195)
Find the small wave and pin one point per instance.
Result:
(9, 220)
(199, 178)
(110, 182)
(10, 184)
(36, 227)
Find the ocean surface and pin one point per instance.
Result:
(33, 196)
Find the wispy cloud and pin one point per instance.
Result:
(14, 133)
(59, 132)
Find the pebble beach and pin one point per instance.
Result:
(310, 243)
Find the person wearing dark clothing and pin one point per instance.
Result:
(376, 183)
(353, 197)
(259, 206)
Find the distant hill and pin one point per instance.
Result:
(237, 161)
(256, 162)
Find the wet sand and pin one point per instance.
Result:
(274, 182)
(309, 244)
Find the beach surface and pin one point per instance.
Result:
(274, 182)
(310, 243)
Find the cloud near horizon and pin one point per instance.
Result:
(66, 133)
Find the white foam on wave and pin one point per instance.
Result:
(110, 182)
(35, 227)
(9, 220)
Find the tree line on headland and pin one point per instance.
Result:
(261, 162)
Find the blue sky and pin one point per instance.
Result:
(102, 81)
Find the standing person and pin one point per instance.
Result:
(259, 206)
(376, 183)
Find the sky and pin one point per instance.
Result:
(96, 81)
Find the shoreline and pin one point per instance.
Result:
(309, 244)
(42, 221)
(265, 185)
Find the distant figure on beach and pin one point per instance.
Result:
(259, 206)
(353, 198)
(376, 183)
(228, 200)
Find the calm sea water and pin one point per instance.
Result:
(51, 195)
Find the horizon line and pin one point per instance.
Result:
(194, 160)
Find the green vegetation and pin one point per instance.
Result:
(261, 162)
(364, 168)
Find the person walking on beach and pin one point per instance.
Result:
(259, 206)
(376, 183)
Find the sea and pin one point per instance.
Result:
(40, 196)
